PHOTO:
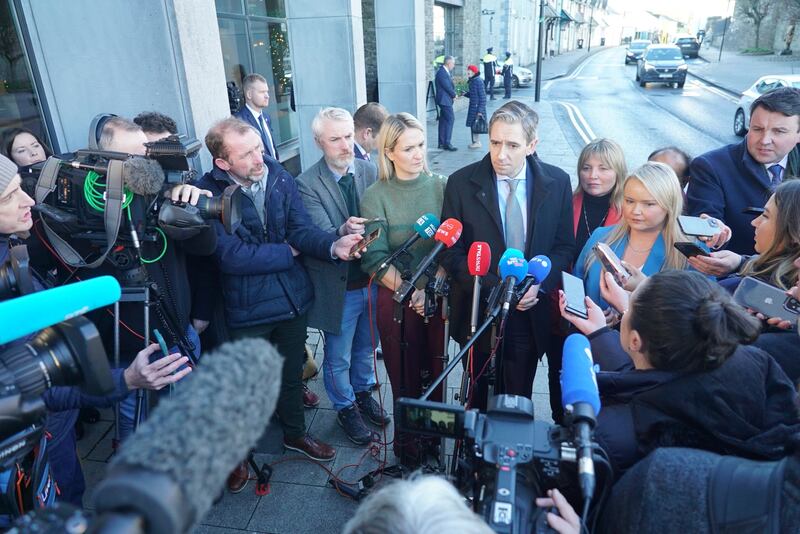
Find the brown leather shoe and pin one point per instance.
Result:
(238, 478)
(310, 399)
(316, 450)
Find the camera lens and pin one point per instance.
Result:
(66, 354)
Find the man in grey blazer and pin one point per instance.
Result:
(331, 191)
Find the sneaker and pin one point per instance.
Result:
(370, 407)
(350, 420)
(310, 399)
(474, 145)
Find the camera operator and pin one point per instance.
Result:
(63, 403)
(680, 373)
(164, 271)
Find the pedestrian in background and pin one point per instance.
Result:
(489, 70)
(508, 72)
(445, 94)
(477, 103)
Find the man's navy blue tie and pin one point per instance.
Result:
(776, 175)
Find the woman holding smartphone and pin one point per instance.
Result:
(647, 232)
(682, 372)
(777, 242)
(405, 190)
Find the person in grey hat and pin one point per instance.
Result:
(15, 205)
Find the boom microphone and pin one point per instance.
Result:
(170, 471)
(513, 268)
(446, 236)
(31, 313)
(579, 391)
(478, 261)
(425, 227)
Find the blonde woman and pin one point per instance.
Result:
(597, 200)
(405, 190)
(645, 236)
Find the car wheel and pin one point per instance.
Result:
(738, 123)
(642, 83)
(637, 75)
(680, 85)
(515, 82)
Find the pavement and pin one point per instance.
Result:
(735, 73)
(300, 500)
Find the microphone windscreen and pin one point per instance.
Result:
(539, 268)
(449, 232)
(513, 263)
(25, 315)
(427, 225)
(479, 258)
(199, 434)
(578, 380)
(143, 176)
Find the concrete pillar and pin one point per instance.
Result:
(327, 44)
(400, 31)
(199, 56)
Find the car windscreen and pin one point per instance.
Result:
(687, 40)
(664, 54)
(638, 46)
(796, 85)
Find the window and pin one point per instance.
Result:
(19, 102)
(255, 39)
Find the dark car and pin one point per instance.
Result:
(662, 64)
(688, 45)
(635, 50)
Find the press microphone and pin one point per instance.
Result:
(446, 236)
(424, 227)
(31, 313)
(513, 268)
(579, 392)
(169, 472)
(538, 269)
(479, 259)
(143, 176)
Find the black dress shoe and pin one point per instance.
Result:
(442, 147)
(451, 148)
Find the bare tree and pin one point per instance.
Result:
(756, 11)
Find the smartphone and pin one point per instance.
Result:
(695, 226)
(375, 220)
(161, 342)
(689, 249)
(611, 262)
(364, 243)
(575, 294)
(766, 299)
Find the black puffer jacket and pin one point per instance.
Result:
(746, 407)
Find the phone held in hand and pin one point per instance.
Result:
(575, 295)
(768, 300)
(698, 227)
(689, 249)
(611, 262)
(359, 247)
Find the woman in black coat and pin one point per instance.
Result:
(477, 102)
(679, 373)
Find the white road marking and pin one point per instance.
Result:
(714, 90)
(571, 110)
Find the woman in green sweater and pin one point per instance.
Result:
(405, 190)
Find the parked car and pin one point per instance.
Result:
(635, 50)
(521, 77)
(662, 64)
(741, 119)
(689, 45)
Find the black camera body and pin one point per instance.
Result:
(510, 457)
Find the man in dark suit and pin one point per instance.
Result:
(727, 180)
(256, 98)
(368, 120)
(331, 191)
(509, 199)
(445, 94)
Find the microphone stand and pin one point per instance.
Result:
(438, 287)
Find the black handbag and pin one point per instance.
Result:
(480, 126)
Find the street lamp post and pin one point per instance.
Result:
(539, 50)
(724, 30)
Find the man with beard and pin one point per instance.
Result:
(332, 190)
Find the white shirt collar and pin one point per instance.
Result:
(782, 163)
(521, 175)
(256, 114)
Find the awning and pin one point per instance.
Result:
(565, 18)
(549, 12)
(578, 18)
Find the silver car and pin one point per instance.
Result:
(741, 120)
(520, 77)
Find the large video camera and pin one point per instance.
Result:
(510, 458)
(90, 198)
